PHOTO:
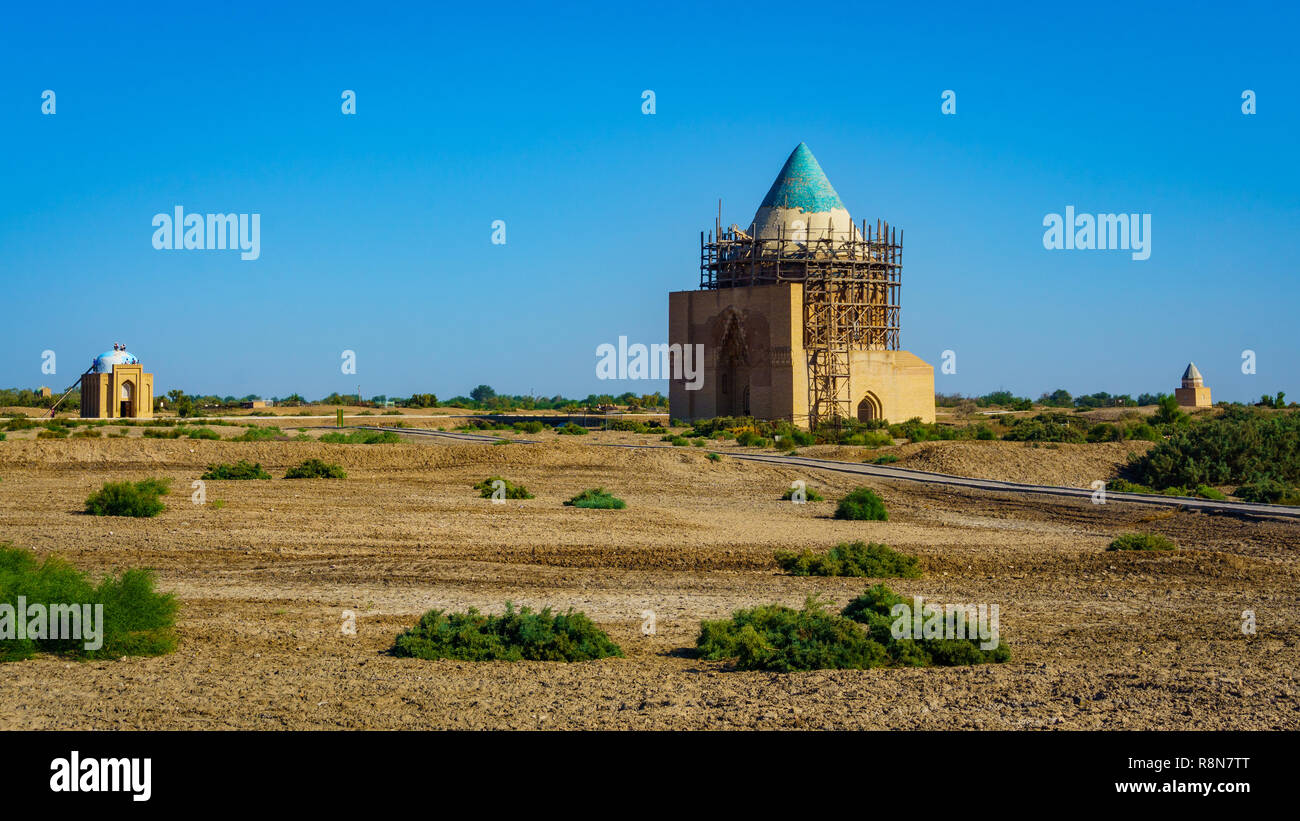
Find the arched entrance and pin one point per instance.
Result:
(869, 408)
(733, 368)
(126, 400)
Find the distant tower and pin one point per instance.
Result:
(799, 314)
(1193, 393)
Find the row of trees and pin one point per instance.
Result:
(482, 397)
(1062, 398)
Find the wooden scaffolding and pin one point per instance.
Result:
(851, 281)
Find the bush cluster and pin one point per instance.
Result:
(137, 621)
(1142, 541)
(362, 437)
(487, 487)
(775, 637)
(316, 469)
(515, 636)
(597, 498)
(137, 499)
(862, 504)
(239, 470)
(869, 560)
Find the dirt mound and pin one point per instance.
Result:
(1042, 463)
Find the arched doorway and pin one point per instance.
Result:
(869, 408)
(126, 400)
(733, 368)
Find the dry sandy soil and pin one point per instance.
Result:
(1099, 640)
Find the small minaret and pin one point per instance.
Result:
(1193, 393)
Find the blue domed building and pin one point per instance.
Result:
(116, 387)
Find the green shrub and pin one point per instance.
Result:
(868, 438)
(516, 635)
(886, 459)
(628, 425)
(750, 439)
(362, 437)
(1269, 492)
(202, 433)
(873, 609)
(138, 499)
(862, 504)
(532, 426)
(1047, 427)
(1202, 491)
(316, 469)
(876, 561)
(775, 637)
(486, 489)
(678, 441)
(1142, 541)
(258, 434)
(239, 470)
(1242, 446)
(713, 457)
(54, 433)
(164, 433)
(136, 621)
(597, 498)
(810, 495)
(84, 433)
(570, 429)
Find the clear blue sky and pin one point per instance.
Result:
(376, 228)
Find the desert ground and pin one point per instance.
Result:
(1099, 640)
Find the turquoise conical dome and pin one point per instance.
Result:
(802, 203)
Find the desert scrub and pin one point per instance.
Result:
(862, 504)
(713, 457)
(239, 470)
(1268, 491)
(1202, 491)
(571, 429)
(257, 434)
(1142, 541)
(597, 498)
(362, 437)
(512, 491)
(515, 636)
(876, 561)
(775, 637)
(85, 433)
(875, 610)
(138, 499)
(163, 433)
(202, 433)
(137, 621)
(810, 495)
(315, 469)
(885, 459)
(52, 433)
